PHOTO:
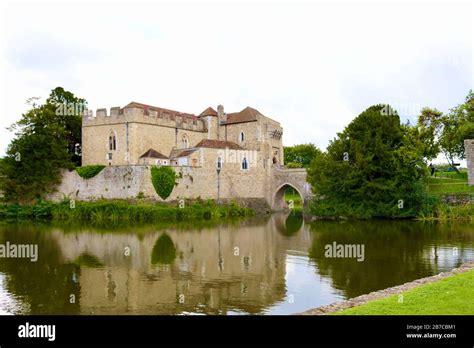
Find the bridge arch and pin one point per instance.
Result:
(286, 177)
(279, 202)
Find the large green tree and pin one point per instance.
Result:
(458, 125)
(445, 133)
(300, 155)
(428, 132)
(370, 169)
(47, 140)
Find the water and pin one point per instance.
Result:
(273, 265)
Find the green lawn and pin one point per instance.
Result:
(449, 183)
(293, 195)
(453, 295)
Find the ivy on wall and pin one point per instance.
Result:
(88, 172)
(163, 180)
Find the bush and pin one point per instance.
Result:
(294, 165)
(88, 172)
(163, 180)
(106, 212)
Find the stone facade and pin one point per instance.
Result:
(247, 145)
(128, 182)
(137, 128)
(469, 153)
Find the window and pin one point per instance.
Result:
(184, 141)
(219, 163)
(110, 156)
(242, 137)
(245, 164)
(112, 142)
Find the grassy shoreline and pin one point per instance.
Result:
(448, 296)
(121, 211)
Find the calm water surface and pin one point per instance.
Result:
(273, 265)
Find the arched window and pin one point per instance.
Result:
(112, 142)
(245, 164)
(242, 137)
(184, 141)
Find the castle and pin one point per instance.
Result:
(143, 134)
(216, 155)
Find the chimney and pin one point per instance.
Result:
(221, 114)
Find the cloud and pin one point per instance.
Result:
(312, 66)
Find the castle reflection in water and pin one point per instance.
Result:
(273, 265)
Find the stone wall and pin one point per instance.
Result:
(469, 152)
(256, 187)
(136, 133)
(257, 136)
(127, 182)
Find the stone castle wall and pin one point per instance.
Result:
(127, 182)
(135, 133)
(256, 186)
(469, 153)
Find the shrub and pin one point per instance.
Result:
(163, 180)
(294, 165)
(88, 172)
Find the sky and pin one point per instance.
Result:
(312, 66)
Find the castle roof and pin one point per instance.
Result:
(219, 144)
(185, 153)
(171, 113)
(246, 115)
(153, 154)
(209, 112)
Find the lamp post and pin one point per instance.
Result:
(218, 169)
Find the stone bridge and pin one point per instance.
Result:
(282, 178)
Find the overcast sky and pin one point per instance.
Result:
(311, 66)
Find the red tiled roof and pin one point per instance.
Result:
(172, 113)
(219, 144)
(185, 153)
(153, 154)
(208, 112)
(246, 115)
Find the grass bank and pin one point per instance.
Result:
(448, 296)
(446, 212)
(119, 211)
(446, 183)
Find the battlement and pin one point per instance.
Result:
(144, 114)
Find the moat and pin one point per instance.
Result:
(272, 265)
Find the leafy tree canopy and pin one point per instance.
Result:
(301, 154)
(370, 169)
(47, 139)
(437, 132)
